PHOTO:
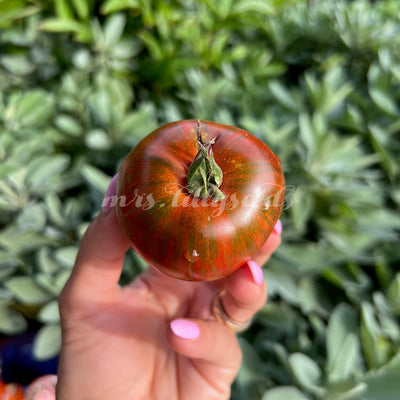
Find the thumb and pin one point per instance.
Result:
(213, 349)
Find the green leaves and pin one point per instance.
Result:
(47, 342)
(32, 108)
(251, 381)
(26, 290)
(49, 313)
(376, 345)
(329, 95)
(381, 141)
(113, 29)
(384, 102)
(385, 385)
(11, 322)
(306, 372)
(393, 293)
(284, 392)
(256, 6)
(70, 16)
(111, 6)
(343, 345)
(11, 10)
(44, 174)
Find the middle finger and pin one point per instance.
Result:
(245, 292)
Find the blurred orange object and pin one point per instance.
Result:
(11, 391)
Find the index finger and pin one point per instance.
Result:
(100, 258)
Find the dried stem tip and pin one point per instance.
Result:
(204, 176)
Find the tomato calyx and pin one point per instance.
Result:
(204, 176)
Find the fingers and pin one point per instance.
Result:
(245, 290)
(100, 258)
(207, 342)
(245, 293)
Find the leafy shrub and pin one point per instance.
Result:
(81, 82)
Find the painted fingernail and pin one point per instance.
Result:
(109, 198)
(256, 272)
(278, 227)
(185, 329)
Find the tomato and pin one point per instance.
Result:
(198, 199)
(11, 391)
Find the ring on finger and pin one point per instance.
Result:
(222, 316)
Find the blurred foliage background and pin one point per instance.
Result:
(81, 82)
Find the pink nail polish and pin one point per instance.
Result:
(109, 199)
(185, 329)
(256, 272)
(278, 227)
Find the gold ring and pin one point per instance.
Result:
(221, 315)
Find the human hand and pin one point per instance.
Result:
(155, 338)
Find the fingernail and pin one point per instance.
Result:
(109, 198)
(185, 329)
(278, 227)
(256, 272)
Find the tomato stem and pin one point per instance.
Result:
(204, 176)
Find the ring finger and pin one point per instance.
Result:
(245, 290)
(244, 294)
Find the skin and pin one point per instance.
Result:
(117, 342)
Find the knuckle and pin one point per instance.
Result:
(63, 301)
(66, 301)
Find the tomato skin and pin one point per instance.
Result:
(192, 238)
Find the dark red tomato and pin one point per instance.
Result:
(190, 218)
